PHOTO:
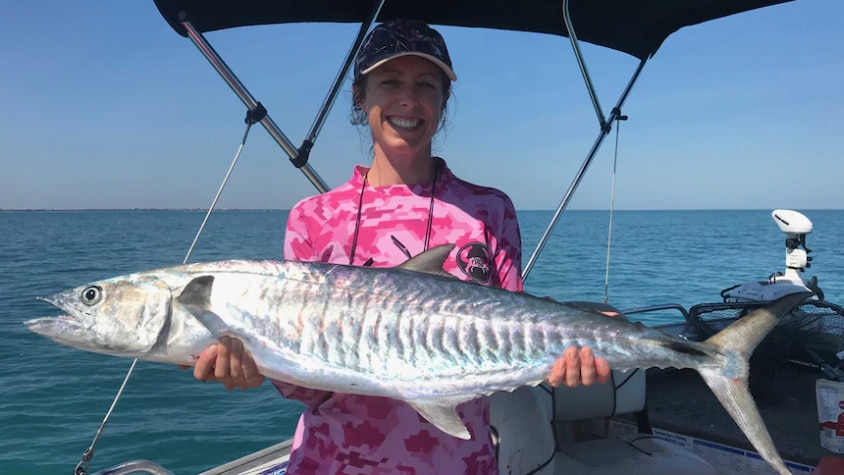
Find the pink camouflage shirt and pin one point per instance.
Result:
(353, 434)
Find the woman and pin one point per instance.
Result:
(407, 202)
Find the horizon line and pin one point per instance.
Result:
(187, 209)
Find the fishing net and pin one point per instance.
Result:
(815, 325)
(809, 337)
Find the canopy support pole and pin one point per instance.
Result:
(579, 57)
(250, 102)
(298, 157)
(605, 130)
(328, 103)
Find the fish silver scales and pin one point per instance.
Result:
(346, 320)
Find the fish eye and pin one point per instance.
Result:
(91, 295)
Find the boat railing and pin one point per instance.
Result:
(656, 308)
(135, 466)
(689, 327)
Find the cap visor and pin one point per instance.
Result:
(447, 70)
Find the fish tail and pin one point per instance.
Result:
(729, 384)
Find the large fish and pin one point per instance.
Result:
(413, 332)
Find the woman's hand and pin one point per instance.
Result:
(581, 367)
(228, 363)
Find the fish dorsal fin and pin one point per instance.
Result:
(442, 414)
(430, 261)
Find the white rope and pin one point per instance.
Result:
(612, 209)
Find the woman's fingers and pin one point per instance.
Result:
(572, 367)
(204, 368)
(579, 367)
(587, 366)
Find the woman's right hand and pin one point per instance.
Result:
(228, 363)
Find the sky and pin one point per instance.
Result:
(103, 105)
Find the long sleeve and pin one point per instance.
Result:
(298, 247)
(508, 252)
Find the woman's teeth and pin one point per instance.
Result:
(405, 123)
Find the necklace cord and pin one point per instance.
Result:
(360, 212)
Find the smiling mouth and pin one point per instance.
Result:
(405, 124)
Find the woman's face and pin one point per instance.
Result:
(403, 99)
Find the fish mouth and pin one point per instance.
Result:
(60, 327)
(56, 300)
(57, 328)
(61, 302)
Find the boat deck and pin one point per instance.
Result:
(781, 381)
(679, 401)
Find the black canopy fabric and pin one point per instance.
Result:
(635, 27)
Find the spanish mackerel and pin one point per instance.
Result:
(412, 332)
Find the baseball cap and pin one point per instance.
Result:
(402, 37)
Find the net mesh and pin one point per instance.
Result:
(816, 325)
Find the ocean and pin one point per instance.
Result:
(52, 398)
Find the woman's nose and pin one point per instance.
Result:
(409, 95)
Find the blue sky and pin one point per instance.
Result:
(104, 106)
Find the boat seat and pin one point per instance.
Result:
(521, 424)
(639, 454)
(533, 430)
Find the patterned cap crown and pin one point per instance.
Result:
(402, 37)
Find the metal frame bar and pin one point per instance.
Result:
(579, 56)
(250, 102)
(328, 103)
(656, 308)
(299, 157)
(606, 126)
(616, 113)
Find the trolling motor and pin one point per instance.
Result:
(795, 226)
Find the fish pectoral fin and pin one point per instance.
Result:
(220, 328)
(196, 296)
(198, 292)
(442, 414)
(196, 299)
(209, 320)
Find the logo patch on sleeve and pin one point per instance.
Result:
(473, 260)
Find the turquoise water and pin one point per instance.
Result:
(52, 398)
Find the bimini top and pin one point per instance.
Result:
(636, 27)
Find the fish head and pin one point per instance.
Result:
(124, 316)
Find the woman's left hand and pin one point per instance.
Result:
(581, 367)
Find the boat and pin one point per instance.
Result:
(654, 421)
